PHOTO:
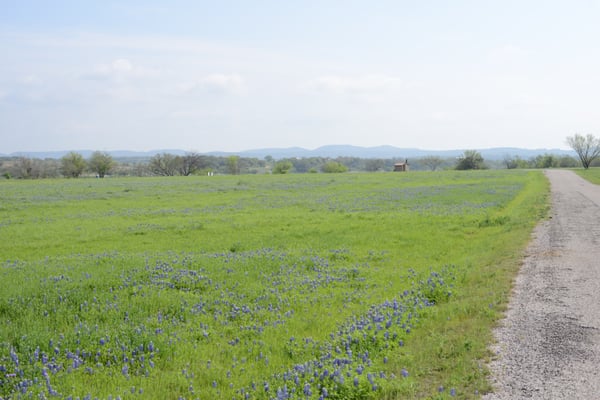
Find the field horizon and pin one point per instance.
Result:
(332, 150)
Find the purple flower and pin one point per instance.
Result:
(404, 372)
(307, 392)
(14, 357)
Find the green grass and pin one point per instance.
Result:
(218, 287)
(591, 174)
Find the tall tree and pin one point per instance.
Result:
(374, 164)
(587, 147)
(164, 164)
(72, 165)
(282, 167)
(25, 167)
(233, 164)
(471, 159)
(432, 162)
(100, 163)
(189, 163)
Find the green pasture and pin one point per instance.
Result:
(305, 286)
(591, 174)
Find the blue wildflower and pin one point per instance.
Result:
(307, 392)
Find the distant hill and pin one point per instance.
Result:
(332, 151)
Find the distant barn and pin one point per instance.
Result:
(401, 166)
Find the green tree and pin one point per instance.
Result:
(233, 165)
(72, 165)
(282, 167)
(587, 148)
(545, 161)
(333, 167)
(471, 159)
(510, 162)
(567, 162)
(100, 163)
(517, 162)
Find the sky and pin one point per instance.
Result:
(238, 75)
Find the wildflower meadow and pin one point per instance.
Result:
(305, 286)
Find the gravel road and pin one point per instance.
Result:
(548, 345)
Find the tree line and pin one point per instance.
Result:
(101, 164)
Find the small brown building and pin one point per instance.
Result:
(401, 166)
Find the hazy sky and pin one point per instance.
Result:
(237, 75)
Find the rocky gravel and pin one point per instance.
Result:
(548, 345)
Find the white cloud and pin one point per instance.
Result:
(229, 83)
(216, 83)
(367, 84)
(120, 70)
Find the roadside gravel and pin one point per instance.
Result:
(548, 345)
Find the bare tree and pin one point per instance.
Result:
(433, 162)
(587, 148)
(164, 164)
(25, 167)
(374, 164)
(189, 163)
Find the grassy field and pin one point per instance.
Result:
(382, 285)
(591, 174)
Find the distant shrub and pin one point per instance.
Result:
(282, 167)
(333, 167)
